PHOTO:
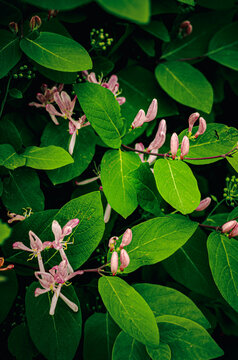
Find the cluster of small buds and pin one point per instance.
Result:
(124, 257)
(9, 267)
(230, 228)
(231, 191)
(35, 23)
(100, 40)
(204, 204)
(174, 145)
(202, 124)
(13, 26)
(24, 72)
(185, 29)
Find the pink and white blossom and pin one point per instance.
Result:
(191, 121)
(124, 259)
(126, 239)
(184, 147)
(65, 104)
(141, 117)
(202, 127)
(228, 226)
(204, 204)
(174, 145)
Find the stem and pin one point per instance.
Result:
(217, 205)
(81, 272)
(5, 96)
(210, 227)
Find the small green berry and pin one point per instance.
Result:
(104, 47)
(227, 179)
(15, 76)
(25, 66)
(21, 75)
(21, 68)
(224, 195)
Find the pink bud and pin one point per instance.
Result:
(187, 26)
(13, 26)
(114, 263)
(160, 136)
(228, 226)
(204, 204)
(139, 119)
(152, 111)
(234, 231)
(202, 127)
(191, 120)
(125, 259)
(174, 144)
(35, 23)
(112, 242)
(184, 147)
(126, 239)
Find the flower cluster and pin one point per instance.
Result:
(100, 40)
(124, 257)
(231, 191)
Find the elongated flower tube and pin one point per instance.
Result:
(74, 126)
(174, 145)
(202, 127)
(234, 231)
(65, 104)
(191, 121)
(184, 147)
(126, 239)
(228, 226)
(114, 263)
(9, 267)
(141, 118)
(124, 259)
(204, 204)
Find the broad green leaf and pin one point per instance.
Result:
(156, 239)
(57, 76)
(102, 111)
(126, 347)
(223, 260)
(177, 185)
(223, 47)
(134, 10)
(216, 4)
(120, 193)
(195, 273)
(163, 352)
(58, 4)
(83, 151)
(10, 52)
(8, 13)
(188, 2)
(55, 336)
(46, 158)
(157, 29)
(100, 332)
(146, 43)
(185, 84)
(5, 232)
(9, 158)
(129, 310)
(8, 291)
(22, 190)
(148, 196)
(167, 301)
(20, 344)
(56, 52)
(194, 343)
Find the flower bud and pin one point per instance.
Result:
(114, 263)
(187, 26)
(191, 120)
(35, 23)
(139, 119)
(160, 136)
(13, 26)
(112, 242)
(202, 127)
(228, 226)
(152, 111)
(174, 144)
(184, 147)
(204, 204)
(126, 239)
(234, 231)
(124, 259)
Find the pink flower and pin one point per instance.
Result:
(202, 127)
(124, 259)
(204, 204)
(191, 121)
(65, 104)
(187, 26)
(126, 239)
(114, 263)
(74, 126)
(174, 145)
(140, 146)
(234, 231)
(112, 243)
(60, 233)
(228, 226)
(141, 118)
(14, 217)
(184, 147)
(107, 213)
(160, 136)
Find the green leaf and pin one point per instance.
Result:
(9, 134)
(134, 10)
(148, 196)
(52, 334)
(185, 84)
(57, 76)
(218, 139)
(9, 158)
(20, 344)
(156, 239)
(146, 43)
(5, 232)
(120, 193)
(163, 352)
(157, 29)
(164, 7)
(102, 111)
(8, 13)
(129, 310)
(125, 346)
(194, 343)
(15, 93)
(46, 158)
(167, 301)
(177, 185)
(22, 190)
(58, 4)
(83, 151)
(10, 52)
(223, 47)
(100, 332)
(216, 4)
(195, 273)
(223, 260)
(57, 52)
(8, 290)
(188, 2)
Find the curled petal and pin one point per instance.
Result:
(191, 120)
(59, 101)
(228, 226)
(204, 204)
(174, 144)
(72, 143)
(46, 280)
(72, 305)
(121, 100)
(125, 259)
(55, 299)
(40, 97)
(184, 147)
(234, 231)
(52, 110)
(152, 111)
(112, 82)
(92, 78)
(126, 239)
(66, 101)
(36, 104)
(56, 229)
(112, 242)
(39, 291)
(114, 263)
(36, 243)
(20, 246)
(139, 119)
(72, 127)
(158, 141)
(202, 127)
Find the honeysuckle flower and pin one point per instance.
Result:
(74, 126)
(112, 242)
(65, 104)
(228, 226)
(234, 231)
(191, 121)
(107, 213)
(9, 267)
(160, 136)
(114, 263)
(126, 239)
(14, 217)
(204, 204)
(141, 117)
(202, 127)
(174, 145)
(187, 27)
(184, 147)
(151, 158)
(35, 22)
(36, 246)
(124, 259)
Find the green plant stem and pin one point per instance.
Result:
(5, 96)
(217, 205)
